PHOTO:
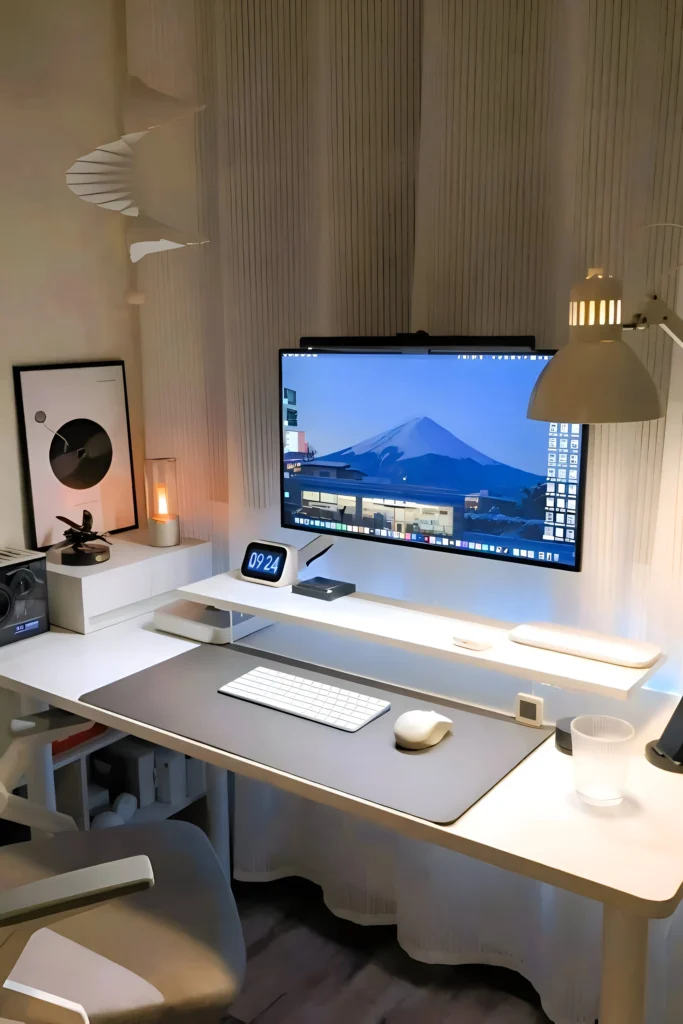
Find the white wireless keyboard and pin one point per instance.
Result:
(307, 698)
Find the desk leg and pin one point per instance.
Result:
(624, 967)
(218, 814)
(40, 778)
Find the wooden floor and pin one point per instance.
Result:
(306, 966)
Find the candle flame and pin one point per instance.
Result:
(162, 500)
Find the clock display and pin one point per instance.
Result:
(264, 562)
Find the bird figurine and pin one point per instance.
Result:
(79, 546)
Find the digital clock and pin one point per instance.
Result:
(276, 565)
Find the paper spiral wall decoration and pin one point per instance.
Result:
(106, 176)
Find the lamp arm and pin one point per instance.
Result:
(656, 312)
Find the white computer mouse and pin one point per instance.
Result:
(415, 730)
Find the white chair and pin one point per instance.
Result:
(127, 925)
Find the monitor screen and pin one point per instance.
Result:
(432, 450)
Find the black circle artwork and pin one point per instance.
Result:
(80, 454)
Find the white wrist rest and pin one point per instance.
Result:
(584, 644)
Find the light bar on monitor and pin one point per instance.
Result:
(421, 341)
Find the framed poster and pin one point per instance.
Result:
(76, 451)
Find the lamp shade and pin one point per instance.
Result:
(596, 378)
(594, 382)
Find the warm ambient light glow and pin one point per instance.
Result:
(161, 500)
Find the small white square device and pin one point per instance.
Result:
(529, 710)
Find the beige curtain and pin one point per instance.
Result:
(372, 166)
(318, 113)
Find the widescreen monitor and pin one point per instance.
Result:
(430, 450)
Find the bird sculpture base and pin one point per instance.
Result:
(85, 554)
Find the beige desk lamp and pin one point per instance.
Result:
(596, 377)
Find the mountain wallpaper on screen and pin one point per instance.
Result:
(423, 453)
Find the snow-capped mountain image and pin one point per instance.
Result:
(423, 453)
(417, 437)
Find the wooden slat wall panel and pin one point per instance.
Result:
(663, 586)
(317, 136)
(482, 211)
(214, 346)
(610, 197)
(627, 174)
(183, 350)
(265, 226)
(369, 58)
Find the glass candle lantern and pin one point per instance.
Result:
(161, 493)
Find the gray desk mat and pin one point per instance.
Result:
(438, 784)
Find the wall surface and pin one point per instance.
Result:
(64, 270)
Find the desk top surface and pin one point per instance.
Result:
(532, 822)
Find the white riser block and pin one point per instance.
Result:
(133, 581)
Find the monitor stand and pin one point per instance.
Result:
(315, 548)
(210, 625)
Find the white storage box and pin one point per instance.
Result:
(136, 579)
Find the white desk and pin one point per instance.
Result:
(532, 823)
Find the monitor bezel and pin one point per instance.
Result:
(326, 348)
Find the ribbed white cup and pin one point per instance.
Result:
(601, 747)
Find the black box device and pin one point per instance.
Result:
(323, 589)
(23, 595)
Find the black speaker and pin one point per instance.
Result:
(23, 595)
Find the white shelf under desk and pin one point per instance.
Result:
(416, 628)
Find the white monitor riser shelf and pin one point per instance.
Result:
(417, 628)
(213, 624)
